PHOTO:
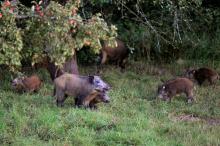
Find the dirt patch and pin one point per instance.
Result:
(195, 118)
(214, 122)
(184, 117)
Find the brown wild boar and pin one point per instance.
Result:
(203, 74)
(176, 86)
(93, 99)
(27, 84)
(117, 54)
(87, 90)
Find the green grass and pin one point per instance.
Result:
(134, 116)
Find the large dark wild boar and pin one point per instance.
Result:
(27, 84)
(117, 54)
(176, 86)
(203, 74)
(87, 90)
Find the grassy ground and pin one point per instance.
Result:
(134, 116)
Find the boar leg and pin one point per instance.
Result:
(61, 97)
(84, 101)
(122, 63)
(190, 97)
(36, 90)
(190, 100)
(200, 81)
(92, 104)
(168, 99)
(212, 80)
(60, 101)
(79, 101)
(76, 101)
(104, 57)
(170, 95)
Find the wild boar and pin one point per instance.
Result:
(117, 54)
(203, 74)
(85, 89)
(176, 86)
(27, 84)
(93, 99)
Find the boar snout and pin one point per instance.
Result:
(106, 88)
(160, 96)
(13, 83)
(163, 97)
(106, 99)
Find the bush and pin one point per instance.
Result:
(56, 31)
(10, 37)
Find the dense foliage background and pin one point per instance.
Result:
(165, 29)
(153, 29)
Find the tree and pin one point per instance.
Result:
(56, 31)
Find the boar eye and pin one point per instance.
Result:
(163, 87)
(97, 82)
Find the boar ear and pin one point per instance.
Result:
(91, 79)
